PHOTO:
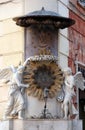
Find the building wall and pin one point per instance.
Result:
(76, 34)
(77, 49)
(63, 44)
(11, 41)
(11, 36)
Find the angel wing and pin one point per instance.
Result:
(5, 75)
(79, 80)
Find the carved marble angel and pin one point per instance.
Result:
(16, 103)
(69, 83)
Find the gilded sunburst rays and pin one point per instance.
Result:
(43, 74)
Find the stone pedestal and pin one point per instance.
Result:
(41, 124)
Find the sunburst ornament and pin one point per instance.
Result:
(42, 71)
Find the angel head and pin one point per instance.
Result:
(67, 71)
(20, 69)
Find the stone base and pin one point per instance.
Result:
(42, 124)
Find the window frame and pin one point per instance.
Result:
(81, 3)
(79, 64)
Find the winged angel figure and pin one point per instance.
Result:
(68, 88)
(13, 77)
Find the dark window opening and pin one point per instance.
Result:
(82, 98)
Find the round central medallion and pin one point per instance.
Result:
(42, 71)
(43, 77)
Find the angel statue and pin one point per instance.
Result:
(68, 88)
(16, 103)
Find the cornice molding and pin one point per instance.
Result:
(73, 8)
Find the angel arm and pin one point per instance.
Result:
(24, 64)
(18, 82)
(23, 85)
(26, 61)
(70, 82)
(66, 83)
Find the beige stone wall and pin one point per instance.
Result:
(11, 41)
(63, 42)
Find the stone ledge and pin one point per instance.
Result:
(41, 124)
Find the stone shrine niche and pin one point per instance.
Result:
(42, 72)
(40, 37)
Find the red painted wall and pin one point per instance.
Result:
(76, 34)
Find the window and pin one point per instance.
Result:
(82, 69)
(82, 3)
(82, 97)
